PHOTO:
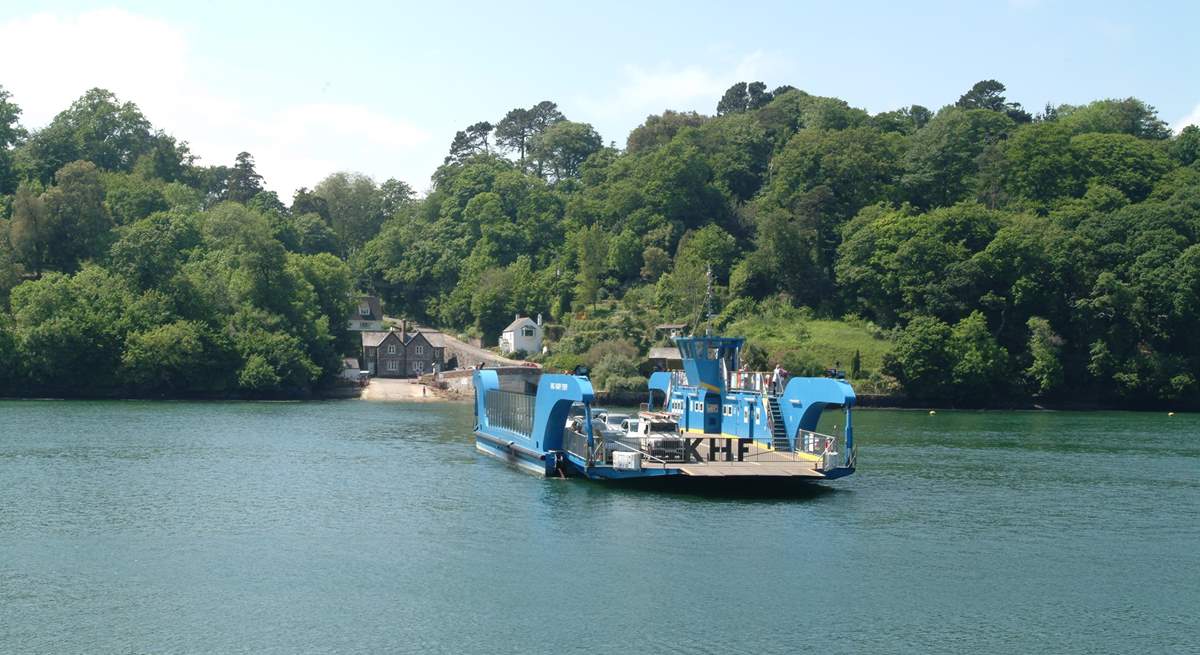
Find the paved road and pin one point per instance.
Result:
(469, 355)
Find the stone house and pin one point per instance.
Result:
(400, 354)
(367, 315)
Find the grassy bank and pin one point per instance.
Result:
(807, 345)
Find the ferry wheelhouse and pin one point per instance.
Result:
(711, 420)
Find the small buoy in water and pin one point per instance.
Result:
(1170, 413)
(932, 413)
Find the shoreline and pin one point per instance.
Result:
(405, 390)
(411, 390)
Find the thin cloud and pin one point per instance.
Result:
(681, 88)
(294, 145)
(66, 55)
(1191, 119)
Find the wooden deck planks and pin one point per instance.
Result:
(749, 469)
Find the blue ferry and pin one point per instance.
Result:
(711, 420)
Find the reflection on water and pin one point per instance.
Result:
(372, 527)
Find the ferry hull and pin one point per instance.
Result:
(526, 460)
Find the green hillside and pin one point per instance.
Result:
(836, 341)
(1007, 255)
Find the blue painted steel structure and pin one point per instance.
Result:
(713, 402)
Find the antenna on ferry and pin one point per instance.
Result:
(708, 303)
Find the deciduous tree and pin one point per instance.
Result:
(76, 210)
(243, 182)
(11, 134)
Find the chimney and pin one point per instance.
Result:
(539, 321)
(403, 327)
(517, 317)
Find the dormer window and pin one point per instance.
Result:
(364, 310)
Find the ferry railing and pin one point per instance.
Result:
(822, 451)
(510, 410)
(710, 450)
(830, 448)
(575, 443)
(753, 381)
(626, 445)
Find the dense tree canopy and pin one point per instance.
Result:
(1004, 255)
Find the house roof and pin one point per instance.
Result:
(521, 321)
(373, 339)
(435, 338)
(664, 352)
(350, 363)
(373, 304)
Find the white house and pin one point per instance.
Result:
(522, 334)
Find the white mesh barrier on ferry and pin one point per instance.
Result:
(510, 410)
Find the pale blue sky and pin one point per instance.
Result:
(312, 87)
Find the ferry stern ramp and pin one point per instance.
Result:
(526, 429)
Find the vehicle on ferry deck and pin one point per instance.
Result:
(630, 427)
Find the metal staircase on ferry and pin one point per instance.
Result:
(779, 438)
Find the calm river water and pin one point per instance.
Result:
(350, 526)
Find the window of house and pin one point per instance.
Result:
(420, 349)
(697, 406)
(418, 367)
(364, 310)
(393, 365)
(527, 331)
(391, 349)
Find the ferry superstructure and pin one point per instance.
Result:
(711, 420)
